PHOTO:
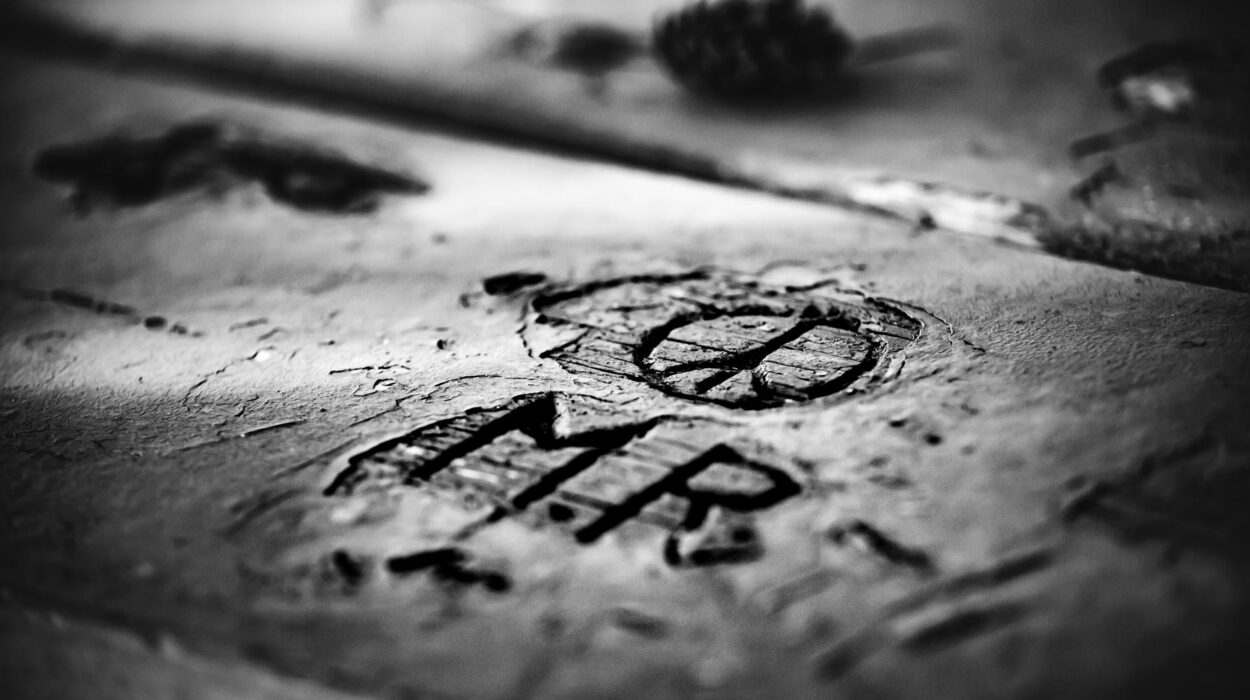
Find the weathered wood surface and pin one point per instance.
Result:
(1013, 134)
(357, 470)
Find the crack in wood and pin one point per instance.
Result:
(944, 613)
(449, 565)
(884, 546)
(123, 312)
(1192, 494)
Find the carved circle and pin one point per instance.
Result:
(730, 340)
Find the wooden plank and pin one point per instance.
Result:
(1049, 428)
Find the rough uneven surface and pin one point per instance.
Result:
(556, 429)
(1108, 131)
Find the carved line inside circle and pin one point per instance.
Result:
(727, 365)
(677, 335)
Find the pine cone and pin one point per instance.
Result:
(740, 49)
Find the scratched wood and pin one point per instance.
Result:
(380, 463)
